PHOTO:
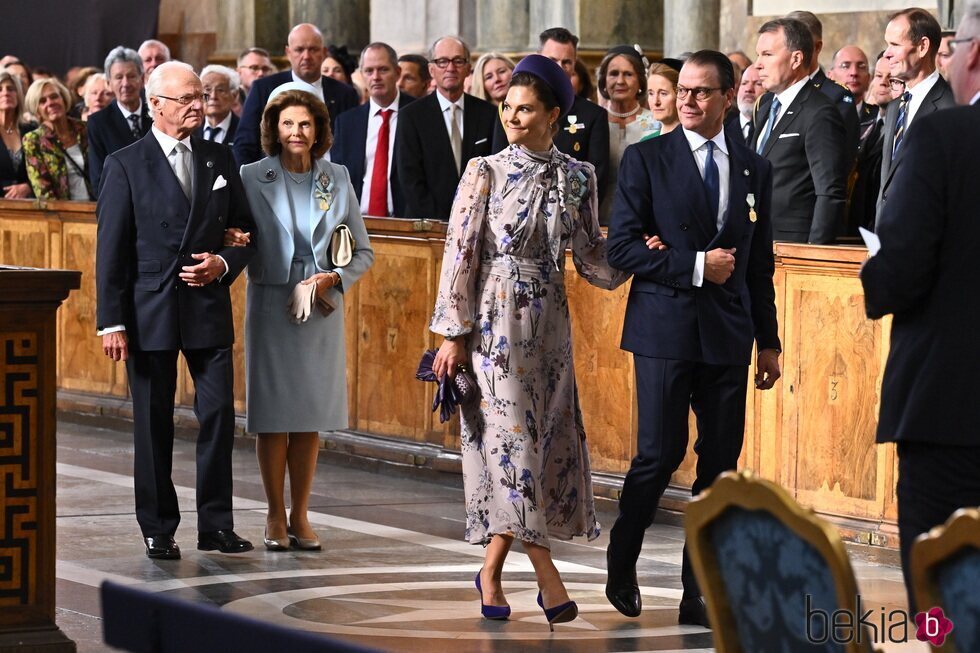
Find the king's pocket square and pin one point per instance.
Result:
(788, 135)
(220, 182)
(482, 140)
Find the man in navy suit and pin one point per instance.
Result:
(305, 51)
(220, 122)
(162, 278)
(126, 119)
(440, 133)
(365, 137)
(694, 307)
(913, 37)
(921, 275)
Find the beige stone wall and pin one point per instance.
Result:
(189, 28)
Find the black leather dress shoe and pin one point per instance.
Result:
(161, 547)
(693, 612)
(224, 541)
(622, 588)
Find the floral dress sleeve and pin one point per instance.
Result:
(457, 298)
(37, 167)
(589, 251)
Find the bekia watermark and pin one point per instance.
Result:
(874, 626)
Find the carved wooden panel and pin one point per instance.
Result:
(19, 455)
(24, 242)
(238, 349)
(832, 384)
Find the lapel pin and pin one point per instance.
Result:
(270, 174)
(210, 164)
(746, 172)
(750, 200)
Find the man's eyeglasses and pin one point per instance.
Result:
(443, 62)
(184, 100)
(955, 42)
(896, 83)
(256, 68)
(701, 93)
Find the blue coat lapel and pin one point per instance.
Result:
(328, 178)
(274, 192)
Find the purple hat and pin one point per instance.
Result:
(551, 74)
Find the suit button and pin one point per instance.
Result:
(683, 226)
(180, 254)
(220, 218)
(164, 224)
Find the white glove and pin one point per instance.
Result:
(301, 302)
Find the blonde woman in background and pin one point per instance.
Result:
(96, 95)
(662, 97)
(491, 77)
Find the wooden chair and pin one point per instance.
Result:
(945, 564)
(771, 572)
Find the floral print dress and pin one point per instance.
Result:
(526, 465)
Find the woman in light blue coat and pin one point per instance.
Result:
(295, 359)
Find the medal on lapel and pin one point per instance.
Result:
(750, 200)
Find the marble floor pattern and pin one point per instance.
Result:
(394, 573)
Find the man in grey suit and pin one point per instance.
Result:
(800, 132)
(913, 37)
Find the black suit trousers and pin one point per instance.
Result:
(934, 481)
(666, 390)
(152, 384)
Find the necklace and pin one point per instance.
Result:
(632, 112)
(301, 178)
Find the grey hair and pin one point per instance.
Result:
(234, 81)
(466, 48)
(159, 44)
(971, 19)
(155, 82)
(378, 45)
(121, 54)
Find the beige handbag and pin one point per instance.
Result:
(342, 246)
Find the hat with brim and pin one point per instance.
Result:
(293, 86)
(552, 75)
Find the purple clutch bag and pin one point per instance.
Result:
(452, 392)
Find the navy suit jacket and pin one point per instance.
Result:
(108, 131)
(923, 276)
(349, 149)
(842, 98)
(338, 97)
(660, 191)
(147, 230)
(229, 139)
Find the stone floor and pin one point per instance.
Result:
(394, 574)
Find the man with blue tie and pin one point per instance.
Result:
(694, 309)
(365, 137)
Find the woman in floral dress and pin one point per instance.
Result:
(503, 310)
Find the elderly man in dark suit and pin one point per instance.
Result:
(801, 134)
(928, 232)
(305, 51)
(438, 134)
(125, 120)
(220, 122)
(162, 277)
(694, 309)
(913, 37)
(365, 136)
(585, 132)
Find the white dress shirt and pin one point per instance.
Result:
(919, 93)
(224, 125)
(371, 144)
(318, 84)
(744, 121)
(445, 106)
(126, 113)
(786, 98)
(699, 148)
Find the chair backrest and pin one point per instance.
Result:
(945, 564)
(772, 573)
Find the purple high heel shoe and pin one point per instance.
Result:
(495, 612)
(560, 613)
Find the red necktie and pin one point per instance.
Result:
(378, 205)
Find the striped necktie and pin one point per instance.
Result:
(903, 107)
(773, 116)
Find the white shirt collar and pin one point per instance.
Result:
(976, 98)
(786, 97)
(375, 107)
(743, 120)
(318, 84)
(126, 113)
(922, 89)
(224, 125)
(445, 103)
(696, 141)
(168, 143)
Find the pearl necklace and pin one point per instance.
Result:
(633, 112)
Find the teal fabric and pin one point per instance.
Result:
(959, 579)
(768, 573)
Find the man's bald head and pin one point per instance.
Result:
(304, 49)
(850, 68)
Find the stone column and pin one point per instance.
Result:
(412, 25)
(247, 23)
(343, 22)
(690, 26)
(605, 23)
(501, 25)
